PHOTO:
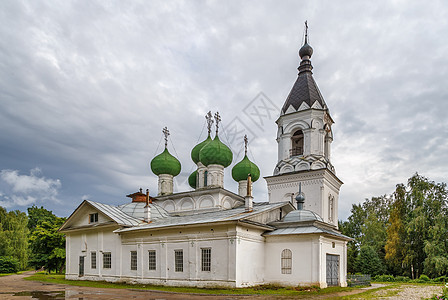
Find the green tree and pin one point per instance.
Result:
(48, 245)
(14, 236)
(368, 261)
(38, 215)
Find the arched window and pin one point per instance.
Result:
(286, 261)
(297, 143)
(205, 178)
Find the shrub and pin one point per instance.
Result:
(424, 278)
(9, 264)
(402, 279)
(384, 278)
(440, 279)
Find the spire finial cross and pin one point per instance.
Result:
(245, 144)
(166, 133)
(217, 120)
(209, 119)
(306, 32)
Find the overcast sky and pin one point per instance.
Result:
(87, 86)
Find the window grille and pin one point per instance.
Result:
(178, 260)
(107, 260)
(93, 218)
(206, 255)
(286, 261)
(93, 260)
(133, 260)
(152, 260)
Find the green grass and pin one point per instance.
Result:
(7, 274)
(260, 290)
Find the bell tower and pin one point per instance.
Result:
(304, 138)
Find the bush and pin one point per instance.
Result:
(384, 278)
(440, 279)
(402, 279)
(424, 278)
(9, 264)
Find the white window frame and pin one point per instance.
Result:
(152, 260)
(206, 259)
(178, 260)
(286, 261)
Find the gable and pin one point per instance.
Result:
(80, 218)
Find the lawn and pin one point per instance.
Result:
(259, 290)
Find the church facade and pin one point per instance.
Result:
(210, 236)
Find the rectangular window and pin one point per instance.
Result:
(93, 218)
(152, 260)
(107, 260)
(93, 260)
(206, 256)
(133, 260)
(179, 260)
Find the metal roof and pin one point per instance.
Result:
(233, 214)
(115, 214)
(305, 230)
(137, 210)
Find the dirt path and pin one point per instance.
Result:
(14, 287)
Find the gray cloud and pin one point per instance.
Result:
(86, 87)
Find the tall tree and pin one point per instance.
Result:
(14, 236)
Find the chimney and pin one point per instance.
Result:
(147, 213)
(248, 200)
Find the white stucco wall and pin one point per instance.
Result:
(305, 260)
(250, 252)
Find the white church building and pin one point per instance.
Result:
(210, 236)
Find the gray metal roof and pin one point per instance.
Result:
(305, 230)
(233, 214)
(115, 214)
(301, 215)
(137, 210)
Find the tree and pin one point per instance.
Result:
(48, 245)
(368, 261)
(14, 236)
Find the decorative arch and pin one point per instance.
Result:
(317, 165)
(286, 261)
(317, 123)
(286, 169)
(227, 202)
(206, 201)
(297, 125)
(169, 205)
(186, 204)
(303, 166)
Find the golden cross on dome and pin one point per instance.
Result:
(217, 120)
(166, 133)
(209, 118)
(245, 144)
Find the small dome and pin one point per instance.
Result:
(306, 50)
(192, 179)
(300, 198)
(301, 215)
(197, 149)
(243, 168)
(165, 163)
(216, 153)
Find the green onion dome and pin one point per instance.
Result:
(243, 168)
(216, 153)
(192, 179)
(197, 149)
(165, 163)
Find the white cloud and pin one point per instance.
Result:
(25, 190)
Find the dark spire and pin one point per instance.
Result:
(300, 199)
(305, 88)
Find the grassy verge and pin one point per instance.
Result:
(7, 274)
(260, 290)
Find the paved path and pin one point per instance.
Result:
(16, 288)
